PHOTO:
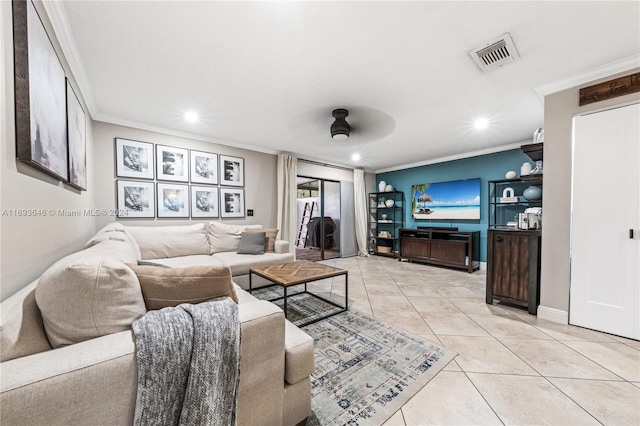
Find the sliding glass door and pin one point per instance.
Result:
(318, 219)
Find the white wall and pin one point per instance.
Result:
(560, 108)
(29, 245)
(259, 179)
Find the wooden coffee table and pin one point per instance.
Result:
(301, 272)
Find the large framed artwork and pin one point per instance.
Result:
(136, 199)
(173, 200)
(76, 134)
(172, 163)
(204, 201)
(40, 95)
(231, 202)
(204, 167)
(231, 171)
(454, 200)
(134, 159)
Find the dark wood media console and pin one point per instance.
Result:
(456, 249)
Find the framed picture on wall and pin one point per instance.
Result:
(134, 159)
(231, 171)
(204, 167)
(136, 199)
(76, 134)
(40, 95)
(231, 202)
(172, 163)
(204, 201)
(173, 200)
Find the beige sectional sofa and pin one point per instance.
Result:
(68, 354)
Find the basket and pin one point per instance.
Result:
(382, 249)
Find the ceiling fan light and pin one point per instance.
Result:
(340, 129)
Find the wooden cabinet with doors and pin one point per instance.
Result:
(513, 268)
(455, 249)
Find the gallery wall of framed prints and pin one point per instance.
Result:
(169, 182)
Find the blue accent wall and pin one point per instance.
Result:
(486, 167)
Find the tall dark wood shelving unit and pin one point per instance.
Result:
(392, 224)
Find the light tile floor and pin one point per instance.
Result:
(512, 367)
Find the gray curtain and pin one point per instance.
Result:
(287, 195)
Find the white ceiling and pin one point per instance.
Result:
(266, 75)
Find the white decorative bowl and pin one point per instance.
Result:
(389, 203)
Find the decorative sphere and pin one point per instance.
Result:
(533, 193)
(510, 174)
(388, 188)
(389, 203)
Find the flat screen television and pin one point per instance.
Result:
(453, 200)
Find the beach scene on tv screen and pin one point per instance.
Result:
(454, 200)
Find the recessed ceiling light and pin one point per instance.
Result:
(481, 123)
(191, 116)
(355, 157)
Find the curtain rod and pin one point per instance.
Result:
(325, 164)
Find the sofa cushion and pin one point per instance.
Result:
(299, 361)
(163, 287)
(115, 231)
(89, 294)
(193, 260)
(243, 295)
(270, 238)
(251, 243)
(224, 238)
(158, 242)
(241, 263)
(21, 328)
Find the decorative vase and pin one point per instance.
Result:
(388, 188)
(385, 216)
(525, 169)
(533, 193)
(389, 203)
(382, 185)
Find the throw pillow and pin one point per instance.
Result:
(251, 243)
(89, 294)
(163, 287)
(270, 238)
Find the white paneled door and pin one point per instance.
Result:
(605, 230)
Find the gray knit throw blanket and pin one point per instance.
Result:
(188, 365)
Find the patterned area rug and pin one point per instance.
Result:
(365, 369)
(301, 307)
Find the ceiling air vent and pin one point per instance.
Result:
(496, 53)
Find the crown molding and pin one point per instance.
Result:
(623, 65)
(461, 156)
(172, 132)
(58, 18)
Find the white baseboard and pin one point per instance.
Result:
(553, 314)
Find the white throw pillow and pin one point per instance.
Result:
(89, 294)
(159, 242)
(223, 237)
